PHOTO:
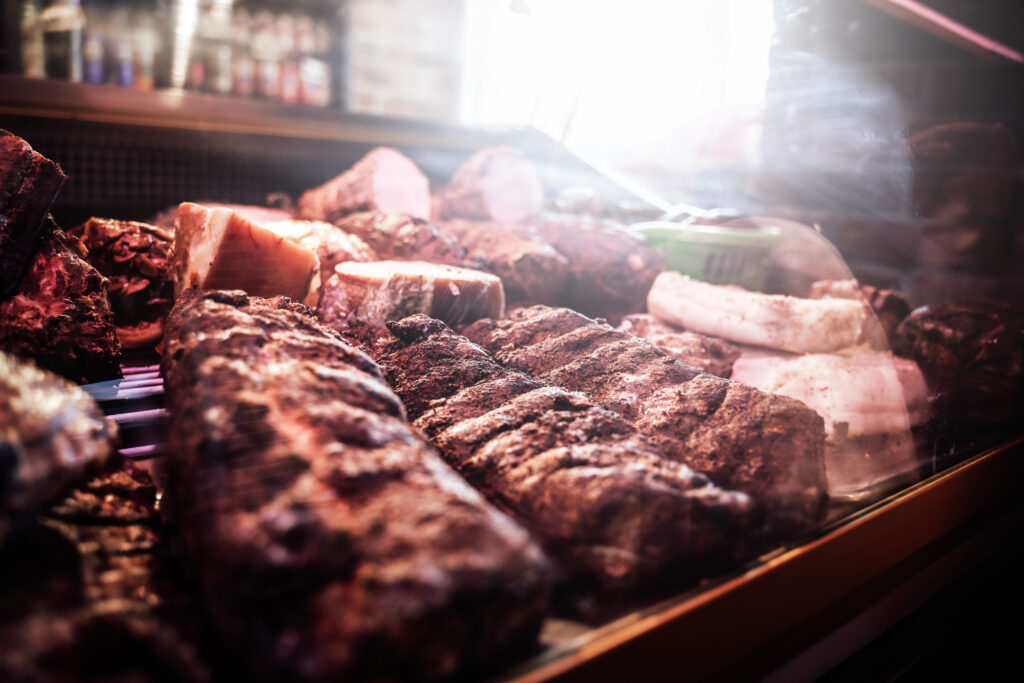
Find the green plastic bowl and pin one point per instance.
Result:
(714, 253)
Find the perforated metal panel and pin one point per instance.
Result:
(135, 172)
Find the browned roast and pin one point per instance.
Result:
(770, 447)
(60, 316)
(708, 354)
(50, 433)
(403, 237)
(383, 180)
(135, 259)
(530, 269)
(89, 594)
(972, 354)
(610, 269)
(495, 184)
(29, 182)
(330, 541)
(607, 503)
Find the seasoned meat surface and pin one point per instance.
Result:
(60, 316)
(708, 354)
(530, 268)
(607, 503)
(50, 433)
(29, 183)
(331, 542)
(610, 269)
(402, 237)
(135, 259)
(770, 447)
(90, 593)
(972, 354)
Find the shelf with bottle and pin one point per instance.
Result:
(220, 47)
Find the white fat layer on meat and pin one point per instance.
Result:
(861, 387)
(774, 321)
(380, 291)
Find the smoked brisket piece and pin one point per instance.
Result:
(384, 180)
(50, 433)
(769, 447)
(708, 354)
(495, 184)
(60, 315)
(89, 592)
(135, 259)
(330, 542)
(610, 270)
(29, 183)
(402, 237)
(530, 269)
(607, 503)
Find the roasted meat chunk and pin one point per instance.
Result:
(708, 354)
(972, 354)
(610, 269)
(530, 268)
(396, 236)
(29, 182)
(60, 316)
(135, 259)
(90, 594)
(50, 433)
(330, 541)
(769, 447)
(608, 504)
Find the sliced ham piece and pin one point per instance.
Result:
(383, 180)
(496, 183)
(220, 249)
(371, 294)
(774, 321)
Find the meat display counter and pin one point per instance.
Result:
(430, 400)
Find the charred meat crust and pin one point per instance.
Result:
(329, 539)
(769, 447)
(60, 315)
(614, 511)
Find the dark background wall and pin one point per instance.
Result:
(902, 147)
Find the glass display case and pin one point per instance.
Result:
(747, 272)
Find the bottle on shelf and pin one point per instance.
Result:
(243, 68)
(265, 54)
(120, 59)
(32, 52)
(62, 23)
(284, 35)
(144, 41)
